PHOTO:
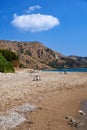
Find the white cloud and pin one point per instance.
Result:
(35, 22)
(32, 8)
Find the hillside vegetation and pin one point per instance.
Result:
(7, 59)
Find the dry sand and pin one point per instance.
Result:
(57, 95)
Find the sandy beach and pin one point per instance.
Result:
(56, 96)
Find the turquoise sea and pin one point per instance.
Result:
(68, 70)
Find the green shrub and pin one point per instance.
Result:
(5, 66)
(9, 55)
(8, 60)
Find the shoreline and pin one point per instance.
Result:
(56, 96)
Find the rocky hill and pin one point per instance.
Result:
(37, 56)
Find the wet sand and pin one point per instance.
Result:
(83, 118)
(56, 96)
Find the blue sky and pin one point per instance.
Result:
(59, 24)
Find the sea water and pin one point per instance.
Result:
(68, 70)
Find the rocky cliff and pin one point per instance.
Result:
(37, 56)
